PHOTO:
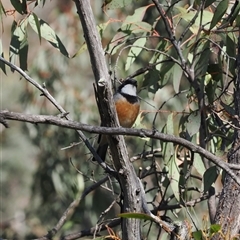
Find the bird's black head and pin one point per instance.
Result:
(128, 81)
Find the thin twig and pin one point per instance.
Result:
(45, 93)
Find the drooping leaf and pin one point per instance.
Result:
(137, 16)
(174, 176)
(19, 45)
(134, 52)
(202, 59)
(167, 72)
(136, 27)
(101, 28)
(37, 24)
(214, 228)
(170, 159)
(234, 14)
(177, 76)
(208, 3)
(20, 6)
(189, 15)
(237, 21)
(216, 71)
(157, 56)
(198, 164)
(231, 52)
(82, 49)
(193, 123)
(116, 42)
(151, 80)
(2, 65)
(210, 90)
(209, 178)
(114, 4)
(197, 235)
(23, 55)
(219, 12)
(47, 33)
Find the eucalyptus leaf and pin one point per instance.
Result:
(47, 33)
(209, 177)
(219, 12)
(2, 65)
(193, 123)
(134, 51)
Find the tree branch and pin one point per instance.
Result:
(154, 134)
(45, 93)
(70, 210)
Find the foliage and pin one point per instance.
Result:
(185, 66)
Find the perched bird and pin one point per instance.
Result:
(127, 105)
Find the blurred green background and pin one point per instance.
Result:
(41, 164)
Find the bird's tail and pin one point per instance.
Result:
(101, 151)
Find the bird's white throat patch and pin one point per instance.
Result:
(129, 89)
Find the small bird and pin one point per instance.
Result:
(127, 105)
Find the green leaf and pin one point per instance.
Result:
(209, 178)
(135, 215)
(202, 59)
(208, 3)
(219, 12)
(189, 15)
(20, 6)
(193, 123)
(166, 72)
(198, 164)
(23, 54)
(47, 33)
(157, 56)
(101, 28)
(235, 14)
(216, 71)
(116, 42)
(237, 21)
(82, 49)
(170, 124)
(214, 228)
(18, 44)
(137, 16)
(210, 90)
(174, 175)
(231, 51)
(113, 4)
(151, 80)
(169, 155)
(134, 52)
(136, 27)
(2, 65)
(197, 235)
(177, 76)
(37, 23)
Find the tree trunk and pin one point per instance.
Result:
(228, 210)
(131, 190)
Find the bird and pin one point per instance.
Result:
(127, 105)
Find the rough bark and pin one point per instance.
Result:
(128, 180)
(228, 210)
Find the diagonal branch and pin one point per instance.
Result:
(46, 93)
(71, 208)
